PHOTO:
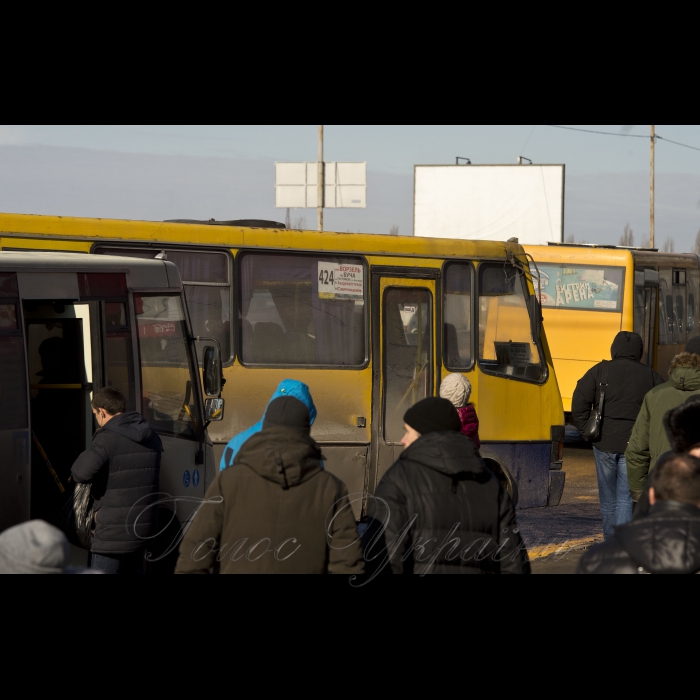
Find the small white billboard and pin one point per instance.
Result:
(345, 185)
(490, 202)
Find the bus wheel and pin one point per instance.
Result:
(504, 478)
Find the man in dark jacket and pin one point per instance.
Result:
(628, 382)
(667, 541)
(649, 439)
(123, 465)
(439, 509)
(275, 510)
(682, 426)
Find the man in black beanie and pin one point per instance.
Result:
(275, 510)
(439, 509)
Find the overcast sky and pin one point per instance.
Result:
(227, 172)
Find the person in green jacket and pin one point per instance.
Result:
(648, 440)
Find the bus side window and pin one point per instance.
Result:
(303, 310)
(458, 316)
(671, 328)
(690, 323)
(693, 280)
(680, 316)
(205, 278)
(119, 365)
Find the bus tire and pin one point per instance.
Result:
(504, 478)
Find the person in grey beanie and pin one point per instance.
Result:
(35, 547)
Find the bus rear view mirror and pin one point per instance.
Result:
(213, 409)
(535, 319)
(212, 371)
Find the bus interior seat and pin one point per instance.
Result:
(452, 347)
(400, 355)
(299, 348)
(267, 344)
(246, 338)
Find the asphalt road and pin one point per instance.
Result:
(557, 537)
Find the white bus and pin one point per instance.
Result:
(71, 324)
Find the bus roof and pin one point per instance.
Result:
(187, 234)
(140, 274)
(609, 255)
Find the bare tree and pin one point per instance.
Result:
(394, 230)
(627, 238)
(696, 249)
(300, 222)
(570, 238)
(669, 245)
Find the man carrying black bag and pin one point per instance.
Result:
(122, 465)
(628, 381)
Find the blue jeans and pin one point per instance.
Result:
(117, 563)
(613, 489)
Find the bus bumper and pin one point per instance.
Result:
(556, 486)
(556, 458)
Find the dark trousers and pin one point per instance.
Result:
(117, 563)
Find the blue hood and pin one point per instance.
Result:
(287, 387)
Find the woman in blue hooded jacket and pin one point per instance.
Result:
(287, 387)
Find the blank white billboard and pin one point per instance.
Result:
(489, 202)
(345, 185)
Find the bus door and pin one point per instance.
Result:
(170, 403)
(646, 295)
(15, 478)
(404, 352)
(60, 371)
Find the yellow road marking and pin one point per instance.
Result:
(560, 547)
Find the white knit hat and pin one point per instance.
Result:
(456, 388)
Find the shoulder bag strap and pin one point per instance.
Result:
(603, 386)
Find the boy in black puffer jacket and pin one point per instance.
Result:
(439, 509)
(123, 466)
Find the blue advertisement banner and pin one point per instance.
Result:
(579, 287)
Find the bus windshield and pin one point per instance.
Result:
(169, 401)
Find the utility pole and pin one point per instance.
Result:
(320, 177)
(651, 192)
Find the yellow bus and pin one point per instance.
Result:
(590, 292)
(370, 323)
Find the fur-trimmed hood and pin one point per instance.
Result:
(684, 372)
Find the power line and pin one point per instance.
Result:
(685, 145)
(522, 150)
(606, 133)
(613, 133)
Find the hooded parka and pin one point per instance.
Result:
(274, 511)
(445, 513)
(287, 387)
(648, 440)
(628, 382)
(123, 466)
(667, 541)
